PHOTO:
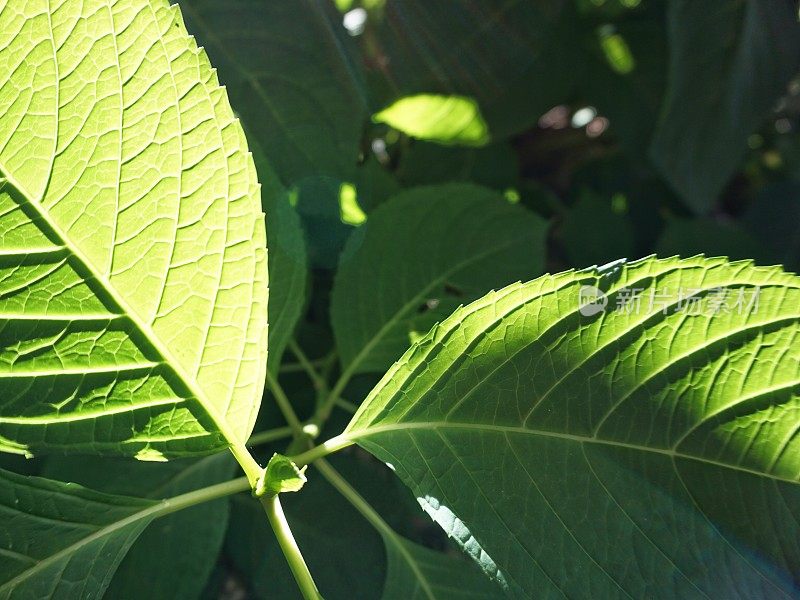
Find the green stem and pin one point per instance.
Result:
(284, 405)
(249, 465)
(297, 367)
(272, 506)
(319, 382)
(332, 445)
(326, 407)
(356, 499)
(389, 535)
(346, 405)
(271, 435)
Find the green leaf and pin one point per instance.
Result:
(594, 233)
(451, 244)
(451, 120)
(187, 542)
(516, 59)
(714, 104)
(293, 74)
(343, 552)
(288, 259)
(418, 572)
(61, 540)
(493, 166)
(132, 245)
(281, 475)
(642, 450)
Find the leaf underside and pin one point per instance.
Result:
(132, 244)
(649, 451)
(66, 541)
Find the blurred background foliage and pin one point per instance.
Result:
(582, 130)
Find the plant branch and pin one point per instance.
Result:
(318, 380)
(389, 535)
(277, 519)
(284, 405)
(357, 500)
(316, 452)
(271, 435)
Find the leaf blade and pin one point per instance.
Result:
(566, 423)
(121, 240)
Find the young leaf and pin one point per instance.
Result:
(451, 244)
(644, 448)
(132, 244)
(61, 540)
(713, 105)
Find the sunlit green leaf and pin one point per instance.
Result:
(626, 448)
(132, 245)
(455, 120)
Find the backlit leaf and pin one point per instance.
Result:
(132, 244)
(644, 448)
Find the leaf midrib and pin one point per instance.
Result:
(104, 287)
(363, 434)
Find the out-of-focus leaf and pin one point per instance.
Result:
(774, 220)
(687, 237)
(621, 449)
(450, 244)
(424, 163)
(450, 120)
(730, 60)
(293, 75)
(515, 58)
(594, 234)
(287, 259)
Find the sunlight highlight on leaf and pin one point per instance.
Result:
(451, 120)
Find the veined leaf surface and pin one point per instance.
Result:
(132, 244)
(452, 242)
(66, 541)
(648, 450)
(415, 572)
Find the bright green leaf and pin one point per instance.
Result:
(132, 245)
(281, 475)
(62, 541)
(643, 448)
(351, 212)
(452, 120)
(451, 244)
